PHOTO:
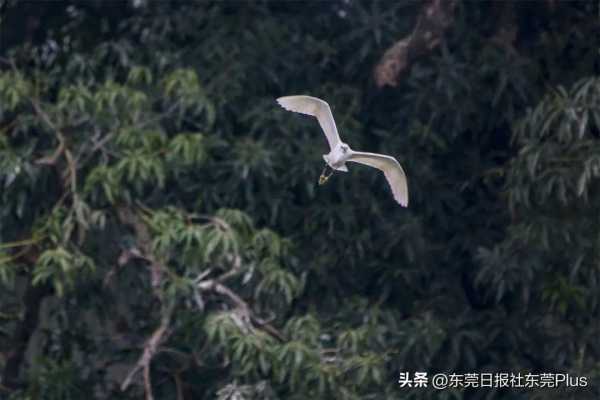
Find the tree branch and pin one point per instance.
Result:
(144, 242)
(128, 217)
(219, 288)
(158, 336)
(62, 148)
(236, 269)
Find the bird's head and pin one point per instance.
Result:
(344, 148)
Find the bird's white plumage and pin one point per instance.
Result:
(317, 108)
(392, 170)
(340, 152)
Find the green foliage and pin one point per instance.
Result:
(61, 267)
(278, 283)
(55, 380)
(153, 193)
(558, 147)
(14, 91)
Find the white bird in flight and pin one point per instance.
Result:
(340, 152)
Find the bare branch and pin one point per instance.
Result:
(62, 148)
(144, 241)
(52, 159)
(236, 269)
(219, 288)
(158, 336)
(144, 250)
(178, 386)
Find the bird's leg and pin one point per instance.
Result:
(323, 178)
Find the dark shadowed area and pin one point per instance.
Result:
(163, 234)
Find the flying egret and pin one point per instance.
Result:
(340, 152)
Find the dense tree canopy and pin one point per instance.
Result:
(162, 233)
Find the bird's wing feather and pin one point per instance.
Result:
(392, 170)
(317, 108)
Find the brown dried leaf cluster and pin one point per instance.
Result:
(435, 17)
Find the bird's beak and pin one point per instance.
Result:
(324, 177)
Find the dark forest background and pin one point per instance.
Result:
(163, 236)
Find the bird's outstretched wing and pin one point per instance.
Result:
(391, 168)
(317, 108)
